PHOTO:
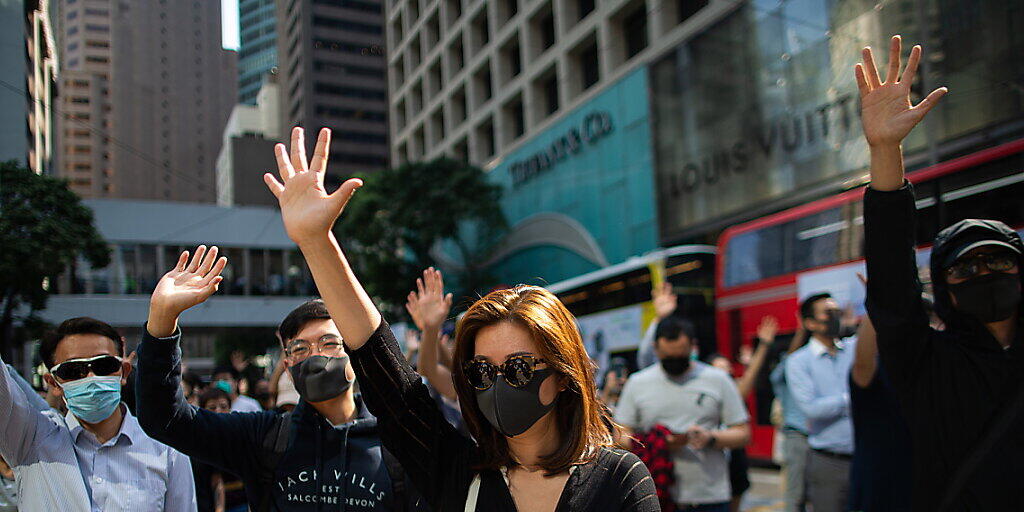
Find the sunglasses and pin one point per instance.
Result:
(74, 369)
(518, 371)
(967, 268)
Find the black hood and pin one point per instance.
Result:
(947, 243)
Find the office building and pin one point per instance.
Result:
(257, 54)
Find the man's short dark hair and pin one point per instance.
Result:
(213, 393)
(80, 325)
(228, 369)
(672, 326)
(300, 316)
(807, 306)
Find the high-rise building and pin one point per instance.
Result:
(27, 84)
(148, 90)
(247, 149)
(331, 60)
(257, 54)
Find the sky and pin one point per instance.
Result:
(229, 24)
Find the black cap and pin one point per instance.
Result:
(969, 243)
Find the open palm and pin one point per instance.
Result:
(886, 112)
(428, 304)
(307, 209)
(189, 283)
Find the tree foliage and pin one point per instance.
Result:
(394, 223)
(43, 228)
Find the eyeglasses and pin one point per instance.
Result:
(74, 369)
(518, 371)
(330, 346)
(967, 268)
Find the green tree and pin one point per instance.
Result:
(43, 229)
(395, 222)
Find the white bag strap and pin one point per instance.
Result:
(474, 492)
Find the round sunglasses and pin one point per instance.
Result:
(518, 371)
(74, 369)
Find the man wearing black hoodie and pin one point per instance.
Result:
(960, 388)
(324, 455)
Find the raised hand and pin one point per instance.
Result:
(308, 210)
(429, 302)
(767, 329)
(189, 283)
(886, 112)
(665, 301)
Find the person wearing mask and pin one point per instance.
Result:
(226, 378)
(960, 387)
(522, 376)
(96, 457)
(817, 375)
(700, 405)
(326, 452)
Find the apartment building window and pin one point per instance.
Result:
(511, 58)
(585, 7)
(433, 31)
(460, 150)
(515, 119)
(437, 130)
(458, 106)
(482, 84)
(436, 81)
(414, 12)
(97, 28)
(584, 65)
(96, 44)
(453, 11)
(417, 98)
(398, 72)
(456, 57)
(550, 85)
(396, 30)
(507, 9)
(400, 115)
(634, 27)
(96, 59)
(542, 29)
(351, 26)
(481, 32)
(348, 91)
(687, 8)
(485, 140)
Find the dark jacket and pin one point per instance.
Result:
(952, 383)
(324, 468)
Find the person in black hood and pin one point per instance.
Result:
(324, 455)
(960, 388)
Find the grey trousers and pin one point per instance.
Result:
(828, 482)
(794, 457)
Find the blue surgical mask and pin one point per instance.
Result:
(93, 399)
(223, 385)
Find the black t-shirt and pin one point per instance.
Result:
(440, 460)
(880, 474)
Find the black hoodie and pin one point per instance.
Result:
(952, 383)
(325, 468)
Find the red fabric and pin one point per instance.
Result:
(652, 448)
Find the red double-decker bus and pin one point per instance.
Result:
(764, 267)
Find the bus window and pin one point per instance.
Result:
(754, 255)
(990, 191)
(816, 240)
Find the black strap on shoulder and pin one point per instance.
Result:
(995, 432)
(275, 443)
(397, 475)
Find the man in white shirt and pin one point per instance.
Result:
(700, 405)
(96, 458)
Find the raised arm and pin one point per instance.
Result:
(309, 213)
(412, 427)
(766, 332)
(223, 440)
(893, 290)
(431, 307)
(21, 419)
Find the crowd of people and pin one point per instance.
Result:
(915, 406)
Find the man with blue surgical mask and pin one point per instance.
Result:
(96, 458)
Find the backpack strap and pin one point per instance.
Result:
(398, 484)
(275, 443)
(474, 493)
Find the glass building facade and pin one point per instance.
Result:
(257, 54)
(759, 111)
(580, 195)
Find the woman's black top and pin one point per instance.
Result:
(440, 461)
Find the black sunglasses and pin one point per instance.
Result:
(518, 371)
(967, 268)
(74, 369)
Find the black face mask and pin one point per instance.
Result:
(320, 378)
(834, 325)
(989, 298)
(513, 411)
(676, 366)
